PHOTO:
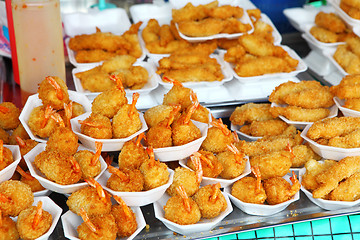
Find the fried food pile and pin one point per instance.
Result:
(101, 46)
(255, 56)
(349, 90)
(162, 39)
(348, 55)
(54, 95)
(101, 218)
(273, 191)
(333, 180)
(330, 28)
(210, 19)
(32, 221)
(306, 101)
(191, 64)
(342, 132)
(98, 78)
(351, 7)
(256, 120)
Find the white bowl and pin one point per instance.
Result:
(301, 67)
(327, 152)
(261, 209)
(152, 83)
(46, 183)
(71, 221)
(243, 136)
(52, 208)
(167, 154)
(222, 181)
(8, 172)
(347, 112)
(326, 204)
(34, 101)
(137, 199)
(225, 69)
(202, 226)
(301, 125)
(109, 145)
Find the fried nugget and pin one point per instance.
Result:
(294, 113)
(201, 28)
(313, 168)
(330, 178)
(323, 35)
(302, 154)
(190, 12)
(353, 103)
(258, 46)
(350, 140)
(270, 127)
(332, 127)
(311, 98)
(289, 88)
(348, 60)
(330, 21)
(262, 65)
(95, 55)
(118, 62)
(95, 80)
(348, 190)
(250, 112)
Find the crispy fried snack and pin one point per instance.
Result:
(303, 154)
(250, 112)
(332, 127)
(330, 178)
(350, 140)
(313, 168)
(353, 103)
(347, 190)
(320, 97)
(202, 28)
(270, 127)
(330, 21)
(348, 60)
(324, 35)
(350, 10)
(348, 88)
(294, 113)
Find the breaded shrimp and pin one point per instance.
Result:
(178, 94)
(89, 161)
(54, 92)
(181, 209)
(8, 230)
(33, 222)
(124, 217)
(29, 180)
(155, 173)
(9, 115)
(132, 154)
(6, 157)
(15, 196)
(125, 180)
(210, 200)
(40, 121)
(233, 162)
(250, 189)
(97, 227)
(92, 199)
(218, 137)
(211, 166)
(96, 126)
(278, 190)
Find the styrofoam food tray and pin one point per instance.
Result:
(347, 112)
(48, 184)
(34, 101)
(8, 172)
(114, 20)
(51, 207)
(327, 152)
(261, 209)
(138, 199)
(167, 154)
(146, 11)
(243, 136)
(225, 68)
(222, 181)
(109, 145)
(244, 19)
(301, 67)
(201, 226)
(326, 204)
(336, 5)
(71, 221)
(152, 83)
(300, 16)
(302, 125)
